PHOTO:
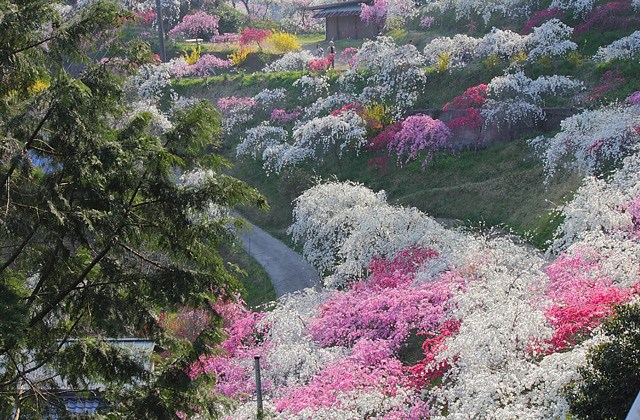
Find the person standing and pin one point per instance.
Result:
(332, 53)
(319, 51)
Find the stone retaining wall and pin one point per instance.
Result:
(494, 134)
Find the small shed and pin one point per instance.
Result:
(343, 20)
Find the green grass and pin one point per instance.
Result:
(500, 186)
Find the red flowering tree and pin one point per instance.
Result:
(468, 107)
(251, 35)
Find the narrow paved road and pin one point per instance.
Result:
(289, 272)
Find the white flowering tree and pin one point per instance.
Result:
(343, 225)
(624, 48)
(498, 368)
(503, 43)
(453, 52)
(395, 72)
(485, 9)
(604, 216)
(551, 39)
(516, 97)
(591, 139)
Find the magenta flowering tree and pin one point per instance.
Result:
(539, 18)
(420, 134)
(197, 25)
(609, 16)
(605, 93)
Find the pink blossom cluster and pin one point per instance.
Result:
(229, 104)
(581, 297)
(633, 99)
(609, 16)
(427, 21)
(241, 344)
(205, 66)
(348, 56)
(421, 134)
(280, 116)
(386, 307)
(197, 25)
(145, 18)
(375, 13)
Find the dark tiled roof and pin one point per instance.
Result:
(339, 11)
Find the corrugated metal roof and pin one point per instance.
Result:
(339, 11)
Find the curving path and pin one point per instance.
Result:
(288, 271)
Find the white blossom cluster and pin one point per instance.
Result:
(259, 138)
(343, 131)
(590, 139)
(153, 80)
(159, 120)
(268, 98)
(516, 97)
(460, 50)
(324, 105)
(313, 86)
(504, 43)
(550, 39)
(396, 72)
(579, 7)
(291, 61)
(624, 48)
(484, 8)
(310, 139)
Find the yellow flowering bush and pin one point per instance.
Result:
(284, 42)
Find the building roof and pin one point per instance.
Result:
(339, 11)
(341, 4)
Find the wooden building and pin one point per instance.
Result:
(343, 20)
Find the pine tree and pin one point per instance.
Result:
(96, 235)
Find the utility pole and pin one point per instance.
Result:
(258, 387)
(163, 57)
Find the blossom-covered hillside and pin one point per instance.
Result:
(417, 320)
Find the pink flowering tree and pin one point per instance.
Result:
(197, 25)
(421, 134)
(581, 297)
(388, 13)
